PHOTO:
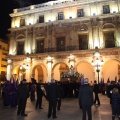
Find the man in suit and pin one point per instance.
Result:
(96, 91)
(52, 96)
(22, 94)
(86, 99)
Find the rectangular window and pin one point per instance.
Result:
(3, 65)
(106, 9)
(3, 73)
(41, 19)
(83, 42)
(2, 76)
(22, 22)
(4, 59)
(80, 13)
(60, 44)
(20, 48)
(40, 46)
(3, 53)
(109, 39)
(60, 16)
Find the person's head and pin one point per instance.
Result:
(24, 81)
(95, 81)
(52, 80)
(86, 81)
(115, 90)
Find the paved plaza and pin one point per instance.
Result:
(69, 111)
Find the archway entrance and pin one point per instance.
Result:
(39, 73)
(58, 69)
(111, 70)
(86, 69)
(19, 72)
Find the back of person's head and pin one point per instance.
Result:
(52, 80)
(115, 90)
(23, 81)
(86, 81)
(95, 81)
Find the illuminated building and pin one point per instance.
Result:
(46, 39)
(3, 58)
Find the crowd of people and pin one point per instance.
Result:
(16, 95)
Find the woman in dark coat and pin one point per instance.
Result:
(40, 94)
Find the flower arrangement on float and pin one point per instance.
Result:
(69, 75)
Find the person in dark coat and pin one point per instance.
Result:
(13, 96)
(40, 94)
(96, 91)
(86, 99)
(22, 94)
(52, 95)
(6, 94)
(32, 92)
(60, 95)
(115, 103)
(109, 91)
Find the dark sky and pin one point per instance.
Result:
(6, 7)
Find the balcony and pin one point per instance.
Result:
(109, 44)
(40, 51)
(57, 49)
(20, 53)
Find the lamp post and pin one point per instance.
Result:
(97, 61)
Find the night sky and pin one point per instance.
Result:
(6, 7)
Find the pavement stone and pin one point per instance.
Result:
(69, 110)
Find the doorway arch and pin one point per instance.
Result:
(39, 73)
(58, 69)
(86, 69)
(111, 70)
(19, 72)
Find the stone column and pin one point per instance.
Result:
(9, 69)
(33, 41)
(28, 44)
(95, 36)
(28, 69)
(95, 33)
(49, 68)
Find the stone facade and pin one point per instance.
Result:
(46, 39)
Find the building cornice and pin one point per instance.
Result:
(56, 5)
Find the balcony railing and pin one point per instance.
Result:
(20, 53)
(40, 51)
(56, 49)
(109, 44)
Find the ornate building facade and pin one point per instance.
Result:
(46, 39)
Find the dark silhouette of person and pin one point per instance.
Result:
(52, 95)
(60, 95)
(32, 92)
(40, 94)
(96, 91)
(115, 103)
(22, 94)
(110, 87)
(86, 99)
(6, 94)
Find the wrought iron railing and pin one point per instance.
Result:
(109, 44)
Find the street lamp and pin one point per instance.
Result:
(97, 61)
